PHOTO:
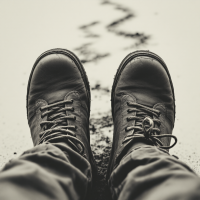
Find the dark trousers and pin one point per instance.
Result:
(57, 172)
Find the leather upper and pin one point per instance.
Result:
(146, 81)
(58, 76)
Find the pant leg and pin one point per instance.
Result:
(148, 173)
(46, 172)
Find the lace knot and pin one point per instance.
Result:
(146, 125)
(148, 129)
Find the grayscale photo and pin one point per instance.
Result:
(100, 100)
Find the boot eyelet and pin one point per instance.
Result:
(72, 109)
(128, 119)
(74, 117)
(126, 129)
(128, 103)
(128, 110)
(72, 101)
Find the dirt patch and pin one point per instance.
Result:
(100, 131)
(88, 52)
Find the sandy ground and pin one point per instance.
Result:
(101, 33)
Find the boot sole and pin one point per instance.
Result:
(127, 59)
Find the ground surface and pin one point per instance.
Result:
(101, 33)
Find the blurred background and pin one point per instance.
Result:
(101, 34)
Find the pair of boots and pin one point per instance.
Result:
(143, 105)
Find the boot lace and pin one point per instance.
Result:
(146, 125)
(56, 127)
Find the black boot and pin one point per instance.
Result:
(143, 105)
(58, 102)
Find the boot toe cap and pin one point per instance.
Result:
(147, 80)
